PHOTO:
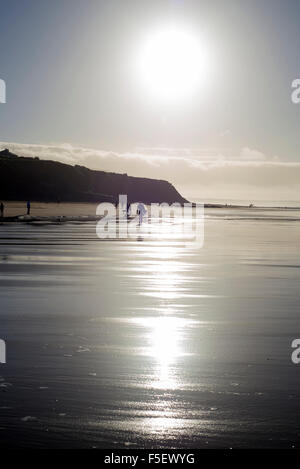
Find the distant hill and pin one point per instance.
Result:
(23, 178)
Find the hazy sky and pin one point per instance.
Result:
(69, 67)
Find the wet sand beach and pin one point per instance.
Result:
(151, 342)
(43, 209)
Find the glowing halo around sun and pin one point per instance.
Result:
(172, 63)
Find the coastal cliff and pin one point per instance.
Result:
(24, 178)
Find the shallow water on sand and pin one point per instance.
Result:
(151, 342)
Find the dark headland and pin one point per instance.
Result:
(25, 178)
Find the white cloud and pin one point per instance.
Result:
(252, 155)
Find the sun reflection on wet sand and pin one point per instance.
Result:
(164, 343)
(164, 339)
(165, 347)
(162, 276)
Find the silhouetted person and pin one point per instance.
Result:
(28, 207)
(141, 210)
(2, 209)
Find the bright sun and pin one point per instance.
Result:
(172, 64)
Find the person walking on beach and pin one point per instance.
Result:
(28, 207)
(141, 210)
(2, 209)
